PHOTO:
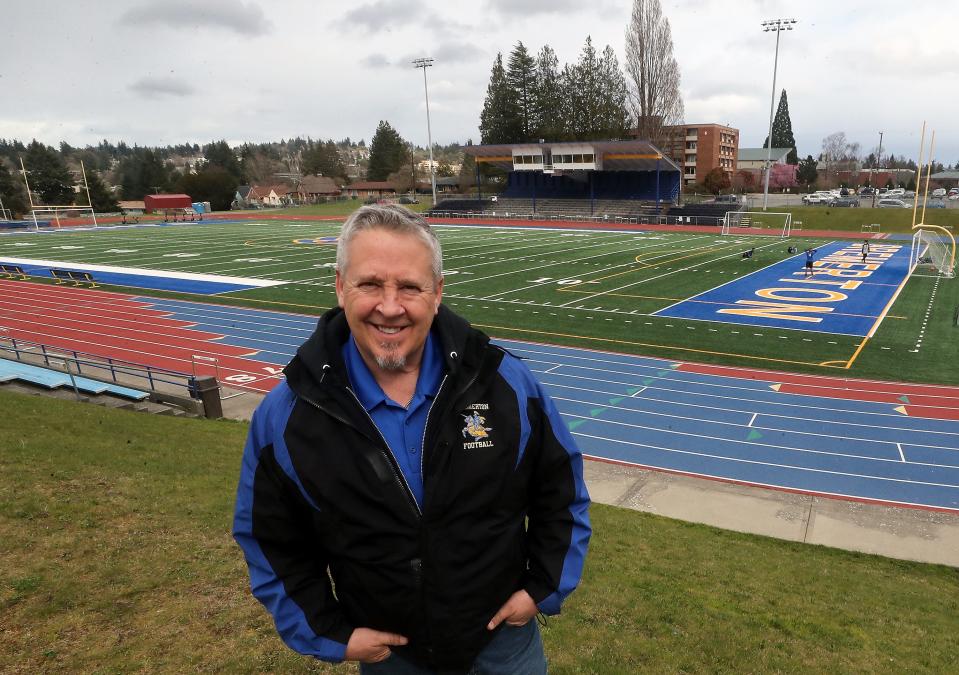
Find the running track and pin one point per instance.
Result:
(866, 441)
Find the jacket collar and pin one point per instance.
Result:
(318, 361)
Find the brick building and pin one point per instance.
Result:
(700, 148)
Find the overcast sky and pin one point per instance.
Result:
(155, 72)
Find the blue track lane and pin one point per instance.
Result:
(645, 411)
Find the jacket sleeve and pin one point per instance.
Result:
(558, 530)
(273, 525)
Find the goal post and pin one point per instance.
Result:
(780, 223)
(56, 209)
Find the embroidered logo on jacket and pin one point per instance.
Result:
(476, 430)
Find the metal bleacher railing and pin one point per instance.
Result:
(95, 364)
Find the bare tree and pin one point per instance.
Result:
(653, 71)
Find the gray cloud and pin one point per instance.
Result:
(534, 7)
(460, 52)
(245, 18)
(156, 87)
(383, 14)
(375, 61)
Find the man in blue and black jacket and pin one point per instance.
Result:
(409, 496)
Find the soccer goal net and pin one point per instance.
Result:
(768, 221)
(934, 249)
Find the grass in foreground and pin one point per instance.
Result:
(117, 558)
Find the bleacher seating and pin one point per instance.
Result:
(54, 379)
(461, 205)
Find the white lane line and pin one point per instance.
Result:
(762, 463)
(899, 447)
(752, 419)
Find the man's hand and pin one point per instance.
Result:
(517, 611)
(371, 646)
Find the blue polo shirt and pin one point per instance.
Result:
(402, 427)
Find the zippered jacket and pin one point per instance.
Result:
(334, 539)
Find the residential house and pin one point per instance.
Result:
(370, 188)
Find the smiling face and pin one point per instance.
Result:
(390, 297)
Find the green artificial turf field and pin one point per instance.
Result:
(583, 288)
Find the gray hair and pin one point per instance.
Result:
(393, 218)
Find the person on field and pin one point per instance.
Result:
(409, 496)
(810, 255)
(865, 249)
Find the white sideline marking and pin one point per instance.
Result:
(189, 276)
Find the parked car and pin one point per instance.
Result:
(935, 204)
(892, 203)
(939, 192)
(726, 199)
(953, 191)
(866, 191)
(845, 201)
(894, 192)
(819, 197)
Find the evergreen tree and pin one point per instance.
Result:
(50, 181)
(101, 199)
(143, 173)
(220, 154)
(387, 152)
(500, 119)
(212, 184)
(783, 131)
(547, 101)
(12, 192)
(521, 76)
(584, 94)
(806, 174)
(323, 159)
(613, 120)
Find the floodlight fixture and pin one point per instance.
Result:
(425, 63)
(777, 26)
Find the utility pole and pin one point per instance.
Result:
(878, 158)
(777, 26)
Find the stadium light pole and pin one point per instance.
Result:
(425, 63)
(777, 25)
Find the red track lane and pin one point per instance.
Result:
(933, 412)
(67, 292)
(85, 315)
(237, 372)
(77, 298)
(854, 392)
(142, 339)
(922, 400)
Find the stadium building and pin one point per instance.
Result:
(584, 177)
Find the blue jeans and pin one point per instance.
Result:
(516, 650)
